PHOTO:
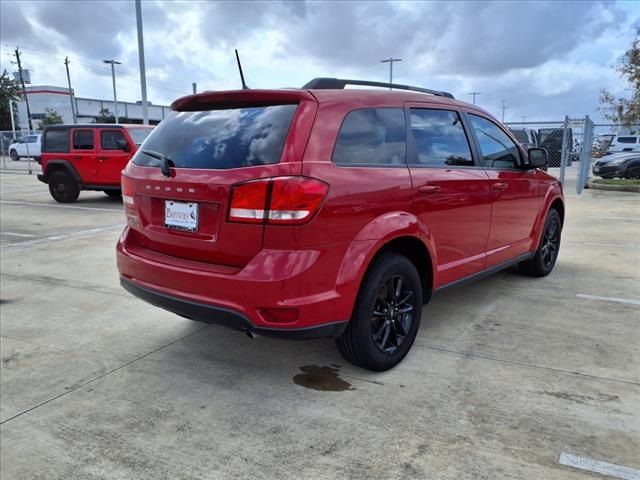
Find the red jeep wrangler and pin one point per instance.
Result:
(327, 211)
(87, 157)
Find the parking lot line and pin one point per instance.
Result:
(603, 244)
(597, 466)
(53, 238)
(627, 301)
(606, 217)
(17, 234)
(37, 204)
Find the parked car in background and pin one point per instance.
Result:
(618, 165)
(87, 157)
(330, 212)
(27, 146)
(551, 140)
(528, 137)
(625, 143)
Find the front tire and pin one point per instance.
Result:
(63, 188)
(14, 155)
(545, 257)
(386, 316)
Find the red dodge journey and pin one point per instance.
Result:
(330, 212)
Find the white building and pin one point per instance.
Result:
(57, 98)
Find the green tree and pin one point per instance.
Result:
(105, 116)
(625, 110)
(51, 117)
(9, 92)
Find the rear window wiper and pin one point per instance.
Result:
(165, 162)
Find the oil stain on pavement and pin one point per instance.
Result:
(321, 378)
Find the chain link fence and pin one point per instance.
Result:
(20, 151)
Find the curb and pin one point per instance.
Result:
(615, 188)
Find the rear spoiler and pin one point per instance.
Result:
(239, 98)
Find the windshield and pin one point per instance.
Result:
(138, 134)
(221, 139)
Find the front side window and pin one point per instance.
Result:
(56, 141)
(440, 139)
(109, 139)
(496, 148)
(372, 136)
(220, 139)
(83, 140)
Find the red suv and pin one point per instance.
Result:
(87, 157)
(326, 211)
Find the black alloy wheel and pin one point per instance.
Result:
(392, 314)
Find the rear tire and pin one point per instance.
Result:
(63, 188)
(115, 194)
(545, 257)
(386, 316)
(14, 155)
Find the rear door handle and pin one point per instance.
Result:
(428, 189)
(500, 186)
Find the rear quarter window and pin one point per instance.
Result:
(372, 136)
(56, 141)
(627, 139)
(220, 139)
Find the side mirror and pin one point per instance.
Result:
(538, 157)
(123, 145)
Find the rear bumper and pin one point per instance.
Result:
(210, 314)
(303, 282)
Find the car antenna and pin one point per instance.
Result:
(244, 85)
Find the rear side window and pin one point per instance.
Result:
(220, 139)
(109, 139)
(497, 149)
(627, 139)
(373, 136)
(440, 139)
(83, 139)
(56, 141)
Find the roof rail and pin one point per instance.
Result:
(339, 83)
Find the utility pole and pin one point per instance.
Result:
(113, 77)
(524, 117)
(13, 122)
(194, 85)
(73, 107)
(143, 73)
(474, 94)
(390, 61)
(24, 90)
(504, 107)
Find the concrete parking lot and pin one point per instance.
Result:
(506, 374)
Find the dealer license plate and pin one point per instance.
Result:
(181, 215)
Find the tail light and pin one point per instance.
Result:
(128, 192)
(277, 201)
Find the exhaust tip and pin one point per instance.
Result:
(251, 334)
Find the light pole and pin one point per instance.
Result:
(390, 61)
(504, 107)
(113, 77)
(474, 94)
(143, 73)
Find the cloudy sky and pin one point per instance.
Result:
(545, 59)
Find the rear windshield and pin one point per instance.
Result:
(520, 135)
(56, 141)
(626, 139)
(139, 134)
(220, 139)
